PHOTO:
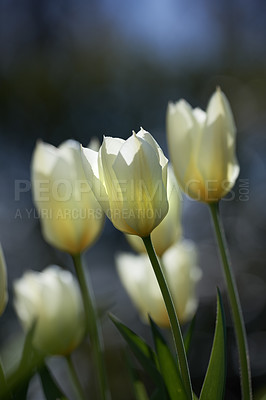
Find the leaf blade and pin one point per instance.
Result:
(189, 333)
(145, 355)
(168, 367)
(50, 387)
(214, 382)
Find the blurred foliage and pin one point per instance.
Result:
(69, 70)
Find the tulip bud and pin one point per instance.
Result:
(3, 282)
(52, 299)
(71, 217)
(181, 273)
(128, 178)
(169, 230)
(202, 148)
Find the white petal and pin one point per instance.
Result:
(180, 263)
(107, 155)
(183, 135)
(90, 163)
(217, 147)
(142, 134)
(91, 168)
(139, 280)
(44, 158)
(200, 116)
(219, 107)
(142, 187)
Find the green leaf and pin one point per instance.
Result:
(20, 392)
(168, 367)
(189, 333)
(214, 382)
(50, 387)
(143, 353)
(18, 381)
(139, 388)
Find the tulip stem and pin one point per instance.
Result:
(75, 379)
(93, 327)
(235, 305)
(175, 326)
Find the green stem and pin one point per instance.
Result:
(93, 327)
(75, 379)
(176, 330)
(235, 305)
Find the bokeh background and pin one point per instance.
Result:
(84, 68)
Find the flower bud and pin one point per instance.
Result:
(3, 282)
(202, 148)
(128, 178)
(181, 273)
(71, 217)
(51, 299)
(169, 230)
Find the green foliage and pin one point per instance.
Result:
(168, 366)
(145, 355)
(50, 387)
(214, 382)
(189, 333)
(18, 380)
(139, 388)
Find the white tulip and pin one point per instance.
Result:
(128, 178)
(202, 148)
(71, 217)
(52, 299)
(181, 272)
(170, 229)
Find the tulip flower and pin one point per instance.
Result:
(202, 148)
(182, 273)
(169, 230)
(51, 299)
(128, 178)
(3, 282)
(71, 217)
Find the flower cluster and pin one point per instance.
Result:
(131, 182)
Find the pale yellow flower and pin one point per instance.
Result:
(52, 299)
(128, 178)
(202, 147)
(170, 229)
(182, 273)
(71, 218)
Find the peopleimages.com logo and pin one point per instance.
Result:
(68, 195)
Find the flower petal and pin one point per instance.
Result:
(142, 187)
(217, 148)
(147, 137)
(182, 135)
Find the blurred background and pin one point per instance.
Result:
(78, 69)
